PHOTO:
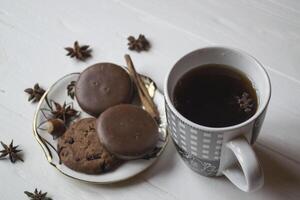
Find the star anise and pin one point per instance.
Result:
(139, 44)
(12, 152)
(245, 102)
(79, 52)
(35, 93)
(64, 112)
(37, 195)
(71, 89)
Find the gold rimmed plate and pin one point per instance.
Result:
(58, 93)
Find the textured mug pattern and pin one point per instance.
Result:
(200, 150)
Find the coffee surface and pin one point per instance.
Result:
(215, 95)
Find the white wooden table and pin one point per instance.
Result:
(33, 34)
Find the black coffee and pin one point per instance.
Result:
(215, 95)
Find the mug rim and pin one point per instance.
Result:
(227, 128)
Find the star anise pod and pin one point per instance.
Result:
(37, 195)
(12, 152)
(64, 112)
(139, 44)
(71, 89)
(35, 93)
(79, 52)
(245, 102)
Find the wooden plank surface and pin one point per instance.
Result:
(33, 34)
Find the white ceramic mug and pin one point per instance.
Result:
(220, 151)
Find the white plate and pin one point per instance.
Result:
(58, 93)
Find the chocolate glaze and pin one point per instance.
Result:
(101, 86)
(127, 131)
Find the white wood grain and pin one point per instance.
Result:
(33, 34)
(267, 29)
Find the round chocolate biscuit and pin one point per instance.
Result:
(127, 131)
(81, 150)
(101, 86)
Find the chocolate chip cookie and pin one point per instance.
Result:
(81, 150)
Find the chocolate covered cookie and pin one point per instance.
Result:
(81, 150)
(127, 131)
(101, 86)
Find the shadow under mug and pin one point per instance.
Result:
(220, 151)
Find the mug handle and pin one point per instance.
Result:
(250, 176)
